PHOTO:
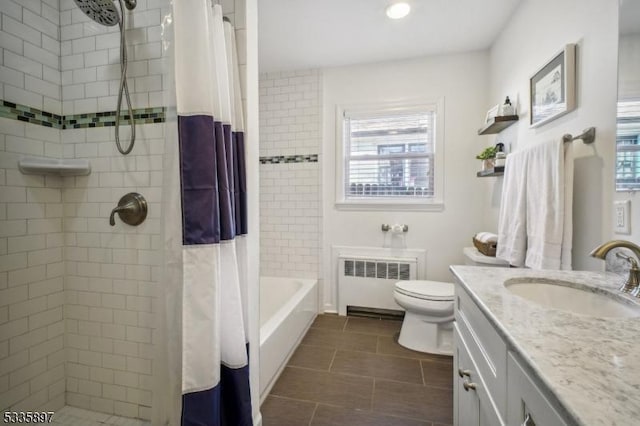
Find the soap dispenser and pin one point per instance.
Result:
(507, 108)
(501, 156)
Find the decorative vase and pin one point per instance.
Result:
(488, 163)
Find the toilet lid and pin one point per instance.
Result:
(427, 290)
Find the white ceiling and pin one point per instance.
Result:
(300, 34)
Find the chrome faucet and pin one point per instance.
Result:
(632, 284)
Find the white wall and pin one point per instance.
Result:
(90, 59)
(535, 33)
(32, 356)
(290, 144)
(32, 371)
(462, 81)
(112, 273)
(30, 44)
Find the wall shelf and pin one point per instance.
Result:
(54, 166)
(496, 171)
(498, 124)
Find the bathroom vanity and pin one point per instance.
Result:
(544, 348)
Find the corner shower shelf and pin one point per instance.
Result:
(498, 124)
(53, 166)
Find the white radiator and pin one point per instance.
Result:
(366, 281)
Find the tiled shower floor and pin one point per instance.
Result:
(71, 416)
(351, 371)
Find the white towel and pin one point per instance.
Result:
(567, 230)
(549, 193)
(486, 237)
(512, 230)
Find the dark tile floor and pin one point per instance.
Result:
(351, 371)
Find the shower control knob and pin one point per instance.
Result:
(132, 209)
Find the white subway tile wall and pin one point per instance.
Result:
(32, 355)
(90, 58)
(290, 113)
(290, 193)
(111, 272)
(29, 54)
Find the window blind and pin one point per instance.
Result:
(389, 155)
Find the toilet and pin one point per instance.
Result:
(429, 305)
(428, 320)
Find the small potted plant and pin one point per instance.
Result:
(488, 157)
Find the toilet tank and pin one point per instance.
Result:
(473, 257)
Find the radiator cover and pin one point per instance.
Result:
(369, 281)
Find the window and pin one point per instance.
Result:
(389, 157)
(628, 146)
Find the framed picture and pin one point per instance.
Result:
(552, 90)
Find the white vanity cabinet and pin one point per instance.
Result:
(491, 387)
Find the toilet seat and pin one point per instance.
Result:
(426, 290)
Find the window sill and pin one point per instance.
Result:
(436, 206)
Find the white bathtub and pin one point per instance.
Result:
(288, 306)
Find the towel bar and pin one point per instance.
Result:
(587, 136)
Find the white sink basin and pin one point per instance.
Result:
(567, 296)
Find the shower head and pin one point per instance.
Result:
(103, 12)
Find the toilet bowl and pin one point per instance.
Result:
(428, 320)
(429, 306)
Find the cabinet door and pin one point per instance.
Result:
(526, 399)
(466, 405)
(473, 405)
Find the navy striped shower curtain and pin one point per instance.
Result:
(209, 174)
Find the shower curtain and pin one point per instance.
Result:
(207, 219)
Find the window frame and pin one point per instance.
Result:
(435, 203)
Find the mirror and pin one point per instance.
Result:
(628, 119)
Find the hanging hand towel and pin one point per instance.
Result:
(512, 231)
(567, 230)
(549, 200)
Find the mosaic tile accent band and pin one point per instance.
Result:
(279, 159)
(106, 119)
(30, 115)
(78, 121)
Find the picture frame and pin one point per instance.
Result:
(492, 113)
(552, 89)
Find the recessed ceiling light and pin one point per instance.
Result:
(398, 10)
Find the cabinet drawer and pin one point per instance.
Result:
(526, 398)
(485, 344)
(473, 407)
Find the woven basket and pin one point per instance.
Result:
(488, 249)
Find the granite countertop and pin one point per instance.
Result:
(591, 365)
